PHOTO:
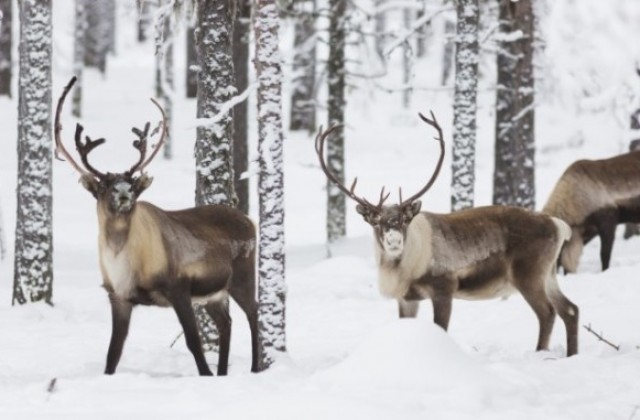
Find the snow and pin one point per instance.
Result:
(349, 357)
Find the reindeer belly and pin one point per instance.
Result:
(487, 279)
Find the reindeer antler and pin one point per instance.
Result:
(141, 143)
(84, 148)
(61, 150)
(322, 135)
(350, 192)
(434, 123)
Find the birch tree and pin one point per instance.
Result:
(79, 42)
(144, 19)
(33, 264)
(98, 37)
(164, 72)
(213, 148)
(6, 16)
(336, 103)
(303, 110)
(465, 105)
(447, 51)
(513, 181)
(271, 256)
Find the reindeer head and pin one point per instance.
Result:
(117, 192)
(390, 222)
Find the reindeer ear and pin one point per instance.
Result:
(368, 215)
(412, 210)
(141, 183)
(90, 184)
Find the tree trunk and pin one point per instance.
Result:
(79, 42)
(6, 9)
(336, 208)
(213, 150)
(33, 264)
(422, 35)
(3, 238)
(191, 74)
(164, 75)
(271, 255)
(448, 52)
(144, 19)
(465, 105)
(514, 182)
(303, 109)
(97, 38)
(112, 16)
(241, 35)
(407, 60)
(380, 28)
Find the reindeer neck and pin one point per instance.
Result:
(114, 228)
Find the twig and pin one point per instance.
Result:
(600, 337)
(175, 340)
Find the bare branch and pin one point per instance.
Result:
(600, 337)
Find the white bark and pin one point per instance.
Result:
(271, 256)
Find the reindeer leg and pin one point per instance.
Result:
(442, 303)
(408, 309)
(606, 225)
(545, 312)
(219, 312)
(181, 302)
(243, 291)
(120, 318)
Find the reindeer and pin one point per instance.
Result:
(149, 256)
(473, 254)
(593, 197)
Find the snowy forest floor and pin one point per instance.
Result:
(349, 356)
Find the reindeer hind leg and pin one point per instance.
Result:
(568, 312)
(219, 312)
(243, 291)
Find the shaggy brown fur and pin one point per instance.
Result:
(593, 197)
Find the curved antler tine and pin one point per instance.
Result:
(434, 123)
(141, 165)
(61, 151)
(319, 145)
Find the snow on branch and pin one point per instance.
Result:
(226, 107)
(415, 27)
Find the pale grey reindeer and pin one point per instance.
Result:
(593, 197)
(150, 256)
(477, 253)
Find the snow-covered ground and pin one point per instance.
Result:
(349, 356)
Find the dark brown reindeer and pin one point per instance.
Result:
(593, 197)
(478, 253)
(149, 256)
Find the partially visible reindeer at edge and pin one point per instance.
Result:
(478, 253)
(149, 256)
(593, 197)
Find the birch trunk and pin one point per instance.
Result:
(213, 149)
(33, 264)
(6, 10)
(465, 105)
(271, 256)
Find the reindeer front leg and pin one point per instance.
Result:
(408, 309)
(120, 317)
(442, 303)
